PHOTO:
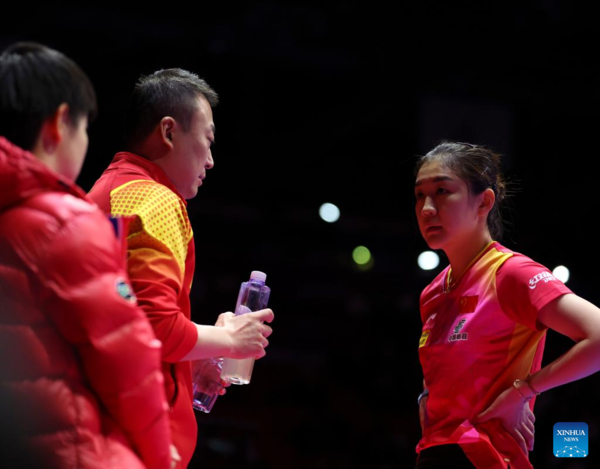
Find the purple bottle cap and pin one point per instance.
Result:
(258, 275)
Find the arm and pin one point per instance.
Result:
(524, 289)
(569, 315)
(512, 408)
(578, 319)
(157, 281)
(157, 251)
(158, 238)
(242, 336)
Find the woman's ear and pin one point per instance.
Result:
(487, 202)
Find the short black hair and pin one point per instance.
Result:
(34, 81)
(171, 92)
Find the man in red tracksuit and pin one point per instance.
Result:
(79, 363)
(169, 132)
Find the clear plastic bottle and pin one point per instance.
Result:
(206, 389)
(254, 296)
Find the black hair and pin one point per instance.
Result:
(479, 167)
(172, 92)
(34, 81)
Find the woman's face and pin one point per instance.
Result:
(448, 214)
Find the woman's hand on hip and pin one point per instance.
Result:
(514, 414)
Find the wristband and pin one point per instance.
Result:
(526, 399)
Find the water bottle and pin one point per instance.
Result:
(206, 389)
(254, 296)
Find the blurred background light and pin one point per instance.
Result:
(361, 255)
(428, 260)
(329, 212)
(561, 273)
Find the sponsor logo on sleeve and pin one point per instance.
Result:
(545, 276)
(570, 440)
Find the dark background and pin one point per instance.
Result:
(331, 102)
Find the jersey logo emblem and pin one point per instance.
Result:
(468, 304)
(545, 276)
(124, 290)
(423, 339)
(457, 334)
(431, 318)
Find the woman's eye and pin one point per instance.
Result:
(441, 190)
(418, 195)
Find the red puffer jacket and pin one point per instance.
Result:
(79, 362)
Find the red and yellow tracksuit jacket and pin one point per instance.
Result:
(160, 249)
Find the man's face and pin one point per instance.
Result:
(191, 157)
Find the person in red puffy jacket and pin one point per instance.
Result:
(80, 378)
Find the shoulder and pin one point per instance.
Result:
(162, 220)
(53, 222)
(49, 210)
(522, 269)
(524, 287)
(143, 198)
(160, 210)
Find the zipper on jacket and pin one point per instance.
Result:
(176, 392)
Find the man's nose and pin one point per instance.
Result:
(210, 162)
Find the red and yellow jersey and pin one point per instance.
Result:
(478, 337)
(160, 264)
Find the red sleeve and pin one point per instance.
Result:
(524, 287)
(156, 280)
(91, 302)
(157, 248)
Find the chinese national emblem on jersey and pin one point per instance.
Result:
(457, 335)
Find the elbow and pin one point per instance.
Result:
(178, 336)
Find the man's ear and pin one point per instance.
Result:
(54, 128)
(167, 125)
